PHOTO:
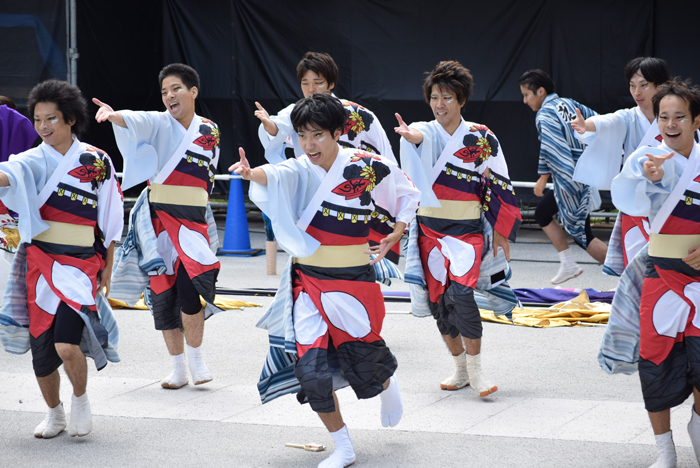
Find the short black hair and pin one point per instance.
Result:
(654, 70)
(450, 75)
(319, 110)
(320, 63)
(187, 74)
(684, 90)
(6, 101)
(536, 79)
(68, 99)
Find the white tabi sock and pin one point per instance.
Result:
(392, 406)
(53, 424)
(568, 268)
(566, 257)
(479, 382)
(178, 377)
(198, 368)
(80, 423)
(344, 454)
(694, 432)
(460, 378)
(666, 450)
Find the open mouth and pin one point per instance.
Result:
(174, 107)
(441, 113)
(314, 156)
(673, 136)
(46, 135)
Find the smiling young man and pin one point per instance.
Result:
(71, 212)
(558, 155)
(176, 151)
(461, 172)
(606, 136)
(318, 73)
(321, 205)
(665, 188)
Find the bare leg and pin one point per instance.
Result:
(175, 341)
(333, 421)
(50, 386)
(455, 345)
(660, 421)
(597, 249)
(75, 364)
(473, 346)
(556, 234)
(194, 328)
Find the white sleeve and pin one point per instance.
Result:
(397, 194)
(601, 160)
(275, 145)
(110, 209)
(135, 143)
(634, 194)
(377, 138)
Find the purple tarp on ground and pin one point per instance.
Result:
(17, 133)
(552, 296)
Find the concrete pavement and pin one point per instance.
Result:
(555, 406)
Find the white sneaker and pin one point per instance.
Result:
(567, 272)
(53, 424)
(666, 450)
(460, 378)
(392, 406)
(344, 454)
(80, 423)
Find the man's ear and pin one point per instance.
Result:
(194, 91)
(541, 92)
(331, 86)
(337, 134)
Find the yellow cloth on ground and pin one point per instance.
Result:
(221, 302)
(578, 312)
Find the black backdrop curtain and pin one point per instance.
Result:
(247, 51)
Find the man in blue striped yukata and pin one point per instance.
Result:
(559, 152)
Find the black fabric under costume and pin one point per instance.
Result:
(547, 208)
(457, 312)
(68, 328)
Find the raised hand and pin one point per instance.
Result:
(411, 135)
(242, 167)
(579, 123)
(268, 124)
(652, 167)
(104, 112)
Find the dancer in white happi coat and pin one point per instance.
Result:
(71, 213)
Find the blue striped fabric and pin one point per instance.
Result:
(559, 151)
(614, 260)
(619, 350)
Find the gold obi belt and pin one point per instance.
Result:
(178, 195)
(672, 245)
(337, 256)
(77, 235)
(452, 209)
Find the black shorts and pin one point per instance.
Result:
(183, 297)
(68, 328)
(547, 208)
(457, 312)
(670, 383)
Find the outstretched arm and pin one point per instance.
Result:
(652, 167)
(581, 125)
(269, 126)
(105, 112)
(410, 134)
(243, 169)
